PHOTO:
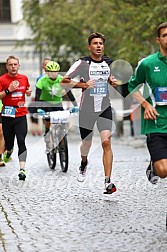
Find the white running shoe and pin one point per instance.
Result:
(82, 173)
(151, 174)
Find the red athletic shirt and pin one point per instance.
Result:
(16, 98)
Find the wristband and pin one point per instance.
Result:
(7, 91)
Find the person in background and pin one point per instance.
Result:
(95, 107)
(44, 63)
(34, 121)
(152, 71)
(35, 124)
(13, 88)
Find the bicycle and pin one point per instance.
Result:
(57, 137)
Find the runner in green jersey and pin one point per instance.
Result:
(151, 73)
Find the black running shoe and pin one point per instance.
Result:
(109, 188)
(22, 174)
(151, 174)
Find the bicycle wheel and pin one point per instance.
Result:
(51, 155)
(63, 154)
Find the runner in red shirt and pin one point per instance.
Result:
(13, 87)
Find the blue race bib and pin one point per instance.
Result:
(8, 111)
(100, 89)
(161, 95)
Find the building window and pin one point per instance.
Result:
(2, 68)
(5, 11)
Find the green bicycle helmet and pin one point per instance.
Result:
(52, 66)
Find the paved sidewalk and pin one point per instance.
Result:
(51, 211)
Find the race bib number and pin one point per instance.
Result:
(161, 95)
(8, 111)
(100, 89)
(59, 116)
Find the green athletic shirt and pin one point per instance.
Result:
(51, 89)
(152, 71)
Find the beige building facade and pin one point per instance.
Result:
(13, 33)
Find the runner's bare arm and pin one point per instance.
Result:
(68, 82)
(149, 111)
(12, 87)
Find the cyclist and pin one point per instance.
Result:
(49, 94)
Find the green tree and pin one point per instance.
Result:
(61, 27)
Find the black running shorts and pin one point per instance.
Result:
(157, 146)
(87, 121)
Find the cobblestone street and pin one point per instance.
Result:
(51, 211)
